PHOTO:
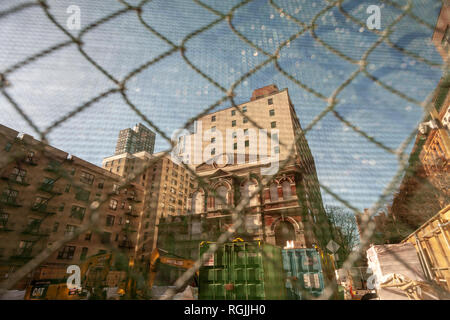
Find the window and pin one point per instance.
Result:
(213, 140)
(270, 101)
(55, 227)
(8, 146)
(110, 220)
(82, 195)
(276, 149)
(245, 131)
(70, 229)
(234, 135)
(101, 183)
(274, 136)
(213, 129)
(77, 212)
(106, 237)
(147, 224)
(273, 192)
(30, 157)
(88, 236)
(273, 124)
(113, 204)
(9, 196)
(221, 197)
(25, 248)
(47, 184)
(213, 151)
(272, 112)
(233, 112)
(287, 192)
(247, 143)
(40, 203)
(72, 172)
(67, 188)
(18, 175)
(233, 123)
(61, 207)
(245, 120)
(213, 118)
(83, 254)
(33, 225)
(3, 219)
(67, 252)
(244, 109)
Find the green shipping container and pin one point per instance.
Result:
(304, 276)
(242, 271)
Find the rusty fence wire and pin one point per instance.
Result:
(121, 87)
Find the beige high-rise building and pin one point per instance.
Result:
(167, 185)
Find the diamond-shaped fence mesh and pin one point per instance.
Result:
(360, 93)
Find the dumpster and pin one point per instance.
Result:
(304, 276)
(242, 271)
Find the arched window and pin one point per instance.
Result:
(284, 231)
(287, 193)
(221, 192)
(273, 192)
(248, 190)
(198, 201)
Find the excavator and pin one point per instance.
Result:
(160, 256)
(93, 272)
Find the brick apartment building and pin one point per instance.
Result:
(425, 188)
(46, 194)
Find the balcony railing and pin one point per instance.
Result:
(50, 188)
(12, 202)
(22, 254)
(41, 208)
(36, 231)
(126, 244)
(14, 179)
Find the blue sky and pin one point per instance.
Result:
(170, 92)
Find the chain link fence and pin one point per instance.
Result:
(306, 25)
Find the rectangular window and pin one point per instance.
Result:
(110, 220)
(213, 118)
(9, 196)
(244, 109)
(101, 183)
(55, 227)
(25, 248)
(86, 177)
(40, 203)
(272, 112)
(233, 112)
(67, 188)
(83, 254)
(234, 135)
(82, 195)
(245, 120)
(70, 229)
(77, 212)
(213, 140)
(245, 132)
(8, 146)
(3, 219)
(213, 129)
(18, 175)
(277, 149)
(273, 124)
(66, 253)
(106, 237)
(213, 151)
(247, 143)
(270, 101)
(113, 204)
(88, 236)
(233, 123)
